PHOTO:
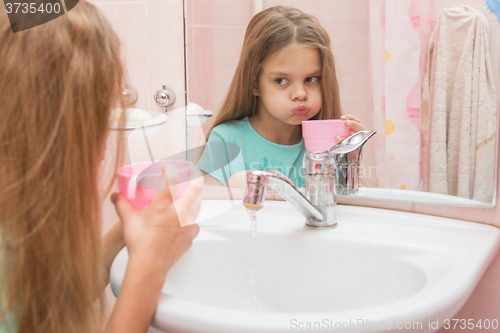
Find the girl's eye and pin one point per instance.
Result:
(312, 79)
(280, 81)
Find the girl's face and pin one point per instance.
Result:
(289, 86)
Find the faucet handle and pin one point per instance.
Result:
(347, 154)
(353, 142)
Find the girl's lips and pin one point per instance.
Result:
(301, 110)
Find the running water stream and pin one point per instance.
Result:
(252, 210)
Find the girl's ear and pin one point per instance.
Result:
(255, 91)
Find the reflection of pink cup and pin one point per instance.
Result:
(319, 135)
(139, 182)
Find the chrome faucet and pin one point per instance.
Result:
(258, 180)
(318, 204)
(348, 154)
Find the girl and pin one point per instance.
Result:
(58, 83)
(285, 75)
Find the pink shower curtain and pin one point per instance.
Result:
(399, 35)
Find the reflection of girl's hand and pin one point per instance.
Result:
(239, 179)
(353, 123)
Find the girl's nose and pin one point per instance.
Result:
(299, 93)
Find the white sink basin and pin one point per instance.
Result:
(382, 267)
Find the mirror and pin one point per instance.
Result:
(380, 62)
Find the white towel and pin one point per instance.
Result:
(459, 106)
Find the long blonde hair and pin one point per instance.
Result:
(268, 32)
(58, 83)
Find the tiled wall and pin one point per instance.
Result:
(152, 43)
(152, 35)
(215, 31)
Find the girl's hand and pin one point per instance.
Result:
(156, 238)
(163, 231)
(353, 123)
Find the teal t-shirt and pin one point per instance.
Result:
(235, 146)
(9, 325)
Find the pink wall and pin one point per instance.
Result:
(215, 30)
(152, 36)
(152, 44)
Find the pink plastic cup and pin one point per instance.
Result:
(139, 182)
(319, 135)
